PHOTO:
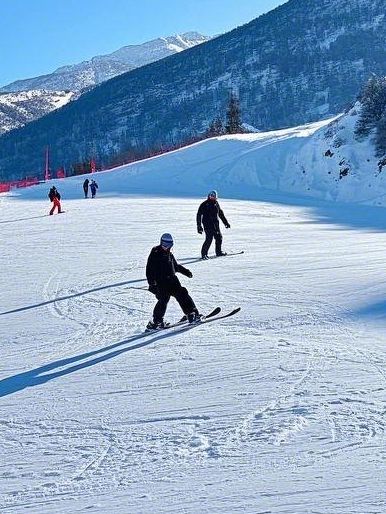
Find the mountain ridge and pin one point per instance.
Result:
(88, 73)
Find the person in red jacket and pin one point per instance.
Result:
(54, 196)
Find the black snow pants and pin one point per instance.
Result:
(211, 233)
(175, 289)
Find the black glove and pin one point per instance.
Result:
(189, 274)
(227, 225)
(153, 288)
(199, 230)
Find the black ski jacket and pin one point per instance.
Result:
(208, 214)
(162, 267)
(54, 193)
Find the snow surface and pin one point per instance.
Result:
(279, 409)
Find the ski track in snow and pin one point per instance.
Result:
(278, 409)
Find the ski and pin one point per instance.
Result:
(184, 327)
(184, 321)
(215, 317)
(230, 254)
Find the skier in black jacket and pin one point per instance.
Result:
(208, 215)
(85, 187)
(161, 272)
(93, 187)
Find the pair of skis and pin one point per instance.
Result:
(230, 254)
(212, 316)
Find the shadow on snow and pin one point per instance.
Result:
(67, 297)
(24, 219)
(343, 215)
(41, 375)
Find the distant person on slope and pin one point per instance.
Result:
(208, 215)
(93, 187)
(161, 272)
(85, 187)
(54, 196)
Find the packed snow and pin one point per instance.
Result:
(279, 409)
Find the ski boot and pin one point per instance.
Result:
(221, 254)
(156, 325)
(194, 317)
(204, 257)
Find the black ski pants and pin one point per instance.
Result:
(175, 289)
(211, 233)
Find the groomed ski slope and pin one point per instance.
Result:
(279, 409)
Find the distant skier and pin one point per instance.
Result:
(54, 196)
(161, 272)
(85, 187)
(208, 215)
(93, 187)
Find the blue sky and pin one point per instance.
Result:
(38, 36)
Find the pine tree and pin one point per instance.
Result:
(233, 124)
(373, 100)
(380, 140)
(219, 127)
(216, 128)
(210, 131)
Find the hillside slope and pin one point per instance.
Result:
(322, 160)
(305, 60)
(17, 109)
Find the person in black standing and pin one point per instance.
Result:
(85, 187)
(93, 187)
(161, 272)
(208, 216)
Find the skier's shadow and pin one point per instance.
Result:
(187, 260)
(24, 219)
(82, 293)
(40, 375)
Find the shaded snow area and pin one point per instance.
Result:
(279, 409)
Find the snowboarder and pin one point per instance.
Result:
(161, 272)
(93, 187)
(85, 187)
(208, 215)
(54, 196)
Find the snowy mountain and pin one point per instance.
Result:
(17, 109)
(302, 61)
(30, 99)
(103, 67)
(279, 409)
